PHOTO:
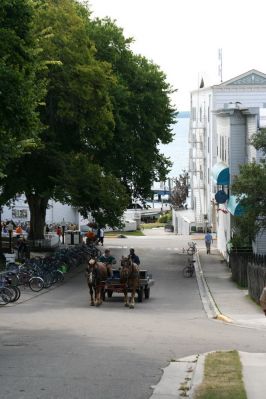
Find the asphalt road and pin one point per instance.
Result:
(57, 346)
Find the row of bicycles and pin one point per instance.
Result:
(189, 269)
(40, 273)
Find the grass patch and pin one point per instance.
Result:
(222, 377)
(124, 233)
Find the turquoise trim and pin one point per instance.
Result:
(220, 174)
(234, 207)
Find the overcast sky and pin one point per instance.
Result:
(183, 37)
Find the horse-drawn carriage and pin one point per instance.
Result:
(126, 279)
(114, 285)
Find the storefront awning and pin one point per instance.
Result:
(234, 207)
(220, 174)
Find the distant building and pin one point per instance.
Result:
(223, 117)
(19, 212)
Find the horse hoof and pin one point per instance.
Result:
(126, 305)
(92, 304)
(131, 306)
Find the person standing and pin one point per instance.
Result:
(208, 242)
(100, 235)
(59, 231)
(18, 230)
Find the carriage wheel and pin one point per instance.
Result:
(140, 294)
(109, 293)
(147, 292)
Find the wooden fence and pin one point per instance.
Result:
(249, 271)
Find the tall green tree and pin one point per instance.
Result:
(89, 188)
(106, 111)
(20, 90)
(77, 114)
(250, 187)
(142, 110)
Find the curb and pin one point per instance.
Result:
(208, 302)
(198, 374)
(224, 318)
(177, 378)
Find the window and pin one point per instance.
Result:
(19, 213)
(194, 114)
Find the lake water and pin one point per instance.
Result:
(178, 150)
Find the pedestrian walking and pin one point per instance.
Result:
(208, 242)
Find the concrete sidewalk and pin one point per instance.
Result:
(225, 302)
(232, 304)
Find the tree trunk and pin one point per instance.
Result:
(38, 206)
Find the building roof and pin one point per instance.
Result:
(249, 78)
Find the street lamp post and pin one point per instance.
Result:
(10, 232)
(63, 225)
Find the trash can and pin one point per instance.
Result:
(69, 237)
(76, 237)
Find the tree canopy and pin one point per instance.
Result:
(250, 188)
(105, 112)
(20, 90)
(142, 112)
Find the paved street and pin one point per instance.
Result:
(57, 346)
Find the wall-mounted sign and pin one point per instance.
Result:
(221, 197)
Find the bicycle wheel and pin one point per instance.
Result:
(48, 280)
(5, 296)
(18, 293)
(187, 271)
(36, 284)
(13, 292)
(59, 276)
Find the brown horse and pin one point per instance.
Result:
(96, 274)
(129, 276)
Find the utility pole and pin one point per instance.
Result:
(220, 66)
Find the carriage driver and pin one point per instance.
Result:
(134, 257)
(109, 260)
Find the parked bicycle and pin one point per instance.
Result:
(5, 294)
(189, 269)
(41, 272)
(192, 248)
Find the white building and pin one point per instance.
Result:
(19, 212)
(223, 117)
